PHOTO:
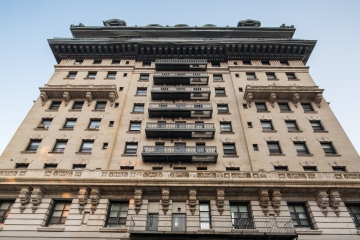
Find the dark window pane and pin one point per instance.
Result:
(307, 107)
(328, 148)
(301, 148)
(261, 107)
(94, 124)
(70, 123)
(86, 146)
(33, 145)
(91, 75)
(284, 107)
(141, 91)
(225, 127)
(100, 106)
(138, 108)
(274, 147)
(131, 148)
(222, 108)
(111, 75)
(78, 105)
(267, 125)
(46, 122)
(219, 91)
(72, 75)
(290, 75)
(291, 125)
(60, 146)
(55, 105)
(316, 125)
(218, 78)
(250, 76)
(135, 126)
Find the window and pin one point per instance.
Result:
(78, 62)
(127, 62)
(117, 215)
(237, 75)
(284, 63)
(270, 76)
(299, 215)
(79, 166)
(284, 106)
(77, 105)
(111, 75)
(265, 62)
(291, 76)
(205, 216)
(50, 165)
(281, 168)
(144, 77)
(328, 148)
(223, 108)
(45, 122)
(135, 126)
(125, 75)
(354, 211)
(72, 75)
(116, 105)
(246, 62)
(339, 168)
(131, 148)
(310, 168)
(255, 147)
(307, 107)
(139, 108)
(59, 146)
(100, 106)
(105, 145)
(86, 146)
(241, 89)
(115, 62)
(146, 64)
(218, 77)
(111, 123)
(201, 168)
(245, 106)
(97, 61)
(250, 75)
(121, 88)
(225, 127)
(316, 125)
(55, 105)
(229, 149)
(240, 217)
(91, 75)
(22, 165)
(291, 125)
(235, 63)
(220, 92)
(5, 207)
(215, 64)
(141, 91)
(94, 124)
(33, 145)
(59, 213)
(70, 123)
(267, 125)
(301, 148)
(261, 107)
(249, 124)
(274, 147)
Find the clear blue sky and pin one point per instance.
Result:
(26, 61)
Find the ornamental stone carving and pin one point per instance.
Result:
(322, 201)
(95, 198)
(227, 140)
(264, 118)
(220, 199)
(324, 139)
(311, 118)
(36, 198)
(138, 199)
(276, 200)
(272, 99)
(44, 97)
(66, 97)
(318, 100)
(25, 196)
(112, 98)
(89, 98)
(298, 139)
(165, 199)
(334, 201)
(287, 118)
(83, 196)
(272, 139)
(295, 99)
(249, 97)
(264, 201)
(192, 200)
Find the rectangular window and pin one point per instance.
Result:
(307, 107)
(105, 145)
(91, 75)
(131, 148)
(301, 148)
(237, 75)
(261, 107)
(59, 213)
(97, 61)
(127, 62)
(291, 76)
(111, 123)
(245, 106)
(249, 124)
(281, 168)
(78, 62)
(225, 127)
(265, 63)
(299, 215)
(141, 91)
(229, 149)
(139, 108)
(94, 124)
(223, 108)
(250, 75)
(146, 64)
(100, 106)
(115, 62)
(86, 146)
(270, 76)
(291, 125)
(267, 125)
(339, 169)
(77, 105)
(178, 222)
(218, 77)
(144, 77)
(354, 211)
(33, 145)
(79, 166)
(274, 147)
(59, 146)
(255, 147)
(117, 215)
(310, 168)
(220, 92)
(316, 125)
(55, 105)
(204, 216)
(241, 89)
(328, 148)
(111, 75)
(135, 126)
(125, 75)
(284, 106)
(246, 62)
(284, 63)
(215, 64)
(5, 207)
(72, 75)
(240, 217)
(45, 123)
(22, 165)
(50, 165)
(70, 123)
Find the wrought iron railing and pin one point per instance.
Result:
(176, 150)
(181, 126)
(199, 106)
(185, 61)
(181, 89)
(181, 74)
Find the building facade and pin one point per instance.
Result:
(180, 132)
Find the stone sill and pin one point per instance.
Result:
(285, 111)
(66, 78)
(269, 131)
(310, 112)
(136, 95)
(227, 132)
(83, 153)
(98, 110)
(66, 129)
(50, 229)
(109, 78)
(74, 110)
(123, 230)
(262, 111)
(51, 110)
(221, 95)
(27, 152)
(244, 230)
(321, 131)
(332, 155)
(273, 79)
(129, 155)
(89, 78)
(230, 156)
(206, 230)
(295, 131)
(143, 80)
(276, 154)
(40, 129)
(305, 155)
(293, 79)
(91, 129)
(56, 152)
(133, 132)
(137, 113)
(220, 113)
(308, 232)
(253, 79)
(218, 81)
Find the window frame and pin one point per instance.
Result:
(86, 150)
(226, 127)
(321, 126)
(218, 78)
(339, 168)
(144, 77)
(205, 224)
(310, 168)
(229, 152)
(53, 105)
(259, 104)
(98, 104)
(333, 152)
(306, 149)
(278, 149)
(58, 149)
(131, 151)
(66, 202)
(220, 91)
(48, 120)
(69, 120)
(111, 75)
(29, 149)
(97, 61)
(244, 219)
(93, 125)
(142, 90)
(296, 128)
(91, 75)
(6, 211)
(72, 75)
(355, 219)
(224, 106)
(266, 128)
(118, 215)
(22, 165)
(305, 213)
(307, 104)
(50, 165)
(146, 64)
(131, 126)
(137, 107)
(75, 107)
(78, 166)
(281, 168)
(114, 61)
(251, 76)
(292, 76)
(271, 78)
(284, 104)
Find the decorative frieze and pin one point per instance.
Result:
(83, 196)
(192, 200)
(264, 201)
(24, 196)
(220, 199)
(95, 198)
(36, 198)
(334, 201)
(138, 199)
(322, 201)
(165, 199)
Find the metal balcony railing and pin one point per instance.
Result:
(181, 61)
(178, 150)
(181, 89)
(181, 126)
(184, 106)
(181, 74)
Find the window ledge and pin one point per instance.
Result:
(332, 155)
(220, 113)
(143, 80)
(206, 230)
(294, 79)
(285, 111)
(262, 111)
(310, 112)
(308, 232)
(253, 79)
(305, 155)
(218, 81)
(40, 129)
(98, 110)
(66, 78)
(89, 78)
(322, 131)
(57, 152)
(27, 152)
(133, 132)
(74, 110)
(129, 155)
(136, 95)
(227, 132)
(109, 78)
(88, 129)
(269, 131)
(83, 153)
(101, 229)
(137, 113)
(244, 230)
(230, 156)
(50, 229)
(276, 154)
(51, 110)
(221, 95)
(66, 129)
(297, 131)
(273, 79)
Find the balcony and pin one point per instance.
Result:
(180, 130)
(219, 227)
(176, 110)
(180, 64)
(184, 78)
(175, 154)
(180, 93)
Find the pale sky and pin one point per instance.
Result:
(26, 61)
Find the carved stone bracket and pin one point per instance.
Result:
(165, 197)
(25, 196)
(66, 97)
(95, 198)
(322, 201)
(192, 200)
(89, 98)
(318, 100)
(138, 199)
(295, 99)
(264, 201)
(272, 99)
(36, 198)
(249, 97)
(43, 97)
(112, 98)
(276, 200)
(298, 139)
(83, 196)
(220, 199)
(334, 201)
